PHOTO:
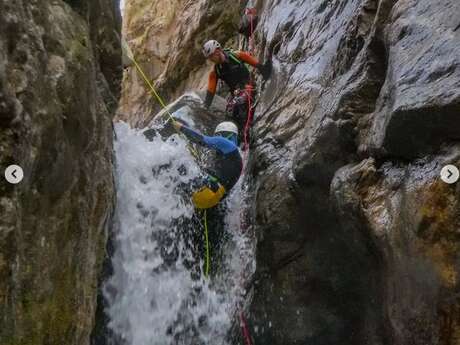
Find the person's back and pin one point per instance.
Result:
(230, 67)
(226, 166)
(227, 163)
(233, 70)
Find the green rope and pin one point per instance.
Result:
(129, 53)
(206, 272)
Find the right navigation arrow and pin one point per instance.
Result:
(450, 174)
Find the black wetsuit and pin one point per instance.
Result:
(233, 72)
(227, 164)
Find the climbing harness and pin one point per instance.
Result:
(206, 237)
(129, 53)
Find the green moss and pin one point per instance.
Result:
(47, 319)
(54, 316)
(438, 214)
(78, 50)
(438, 230)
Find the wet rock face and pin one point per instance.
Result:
(370, 81)
(421, 93)
(60, 66)
(166, 38)
(412, 218)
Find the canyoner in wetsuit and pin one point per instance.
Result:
(231, 67)
(226, 167)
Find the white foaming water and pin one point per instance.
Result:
(153, 300)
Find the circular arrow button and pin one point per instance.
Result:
(14, 174)
(450, 174)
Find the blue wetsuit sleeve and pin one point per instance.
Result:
(218, 143)
(193, 136)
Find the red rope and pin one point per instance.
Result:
(250, 12)
(245, 330)
(251, 39)
(248, 120)
(248, 90)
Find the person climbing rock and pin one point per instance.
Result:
(248, 22)
(225, 169)
(231, 67)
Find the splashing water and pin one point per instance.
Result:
(153, 297)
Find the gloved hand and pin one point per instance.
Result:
(208, 99)
(177, 125)
(265, 69)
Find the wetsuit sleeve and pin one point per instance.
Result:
(212, 86)
(220, 144)
(248, 58)
(212, 82)
(192, 135)
(217, 143)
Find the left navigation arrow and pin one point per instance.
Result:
(14, 174)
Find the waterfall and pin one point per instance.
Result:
(155, 295)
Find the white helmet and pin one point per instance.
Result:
(210, 47)
(226, 127)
